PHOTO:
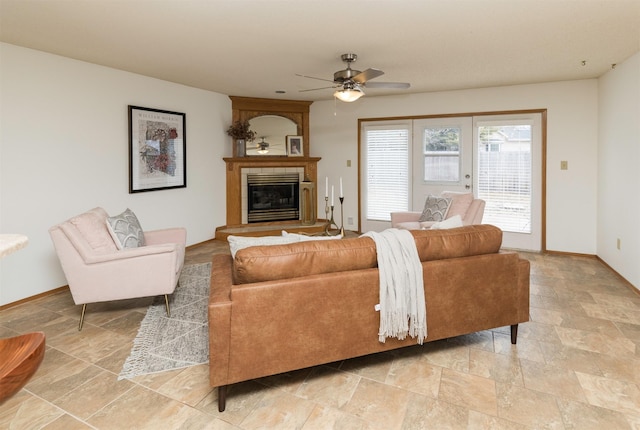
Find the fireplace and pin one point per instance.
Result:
(273, 197)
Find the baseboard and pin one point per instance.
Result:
(37, 296)
(625, 281)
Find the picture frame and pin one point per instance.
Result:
(294, 146)
(157, 149)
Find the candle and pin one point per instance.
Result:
(331, 195)
(326, 186)
(341, 195)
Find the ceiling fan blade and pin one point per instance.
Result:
(395, 85)
(315, 89)
(363, 77)
(313, 77)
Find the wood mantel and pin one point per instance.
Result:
(246, 108)
(234, 177)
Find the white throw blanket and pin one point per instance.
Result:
(402, 305)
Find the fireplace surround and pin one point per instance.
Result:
(245, 108)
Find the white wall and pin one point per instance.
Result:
(619, 169)
(572, 134)
(64, 149)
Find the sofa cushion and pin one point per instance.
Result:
(435, 208)
(268, 263)
(457, 242)
(460, 203)
(93, 228)
(126, 230)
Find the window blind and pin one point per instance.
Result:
(387, 170)
(504, 175)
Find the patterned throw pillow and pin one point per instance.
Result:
(435, 209)
(125, 230)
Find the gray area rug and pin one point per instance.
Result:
(181, 341)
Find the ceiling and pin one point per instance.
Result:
(256, 47)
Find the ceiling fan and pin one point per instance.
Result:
(349, 82)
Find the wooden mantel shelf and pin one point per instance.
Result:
(266, 161)
(234, 177)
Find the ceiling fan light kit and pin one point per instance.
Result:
(263, 147)
(350, 81)
(349, 93)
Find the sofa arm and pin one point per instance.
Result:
(219, 314)
(168, 235)
(523, 295)
(399, 217)
(128, 253)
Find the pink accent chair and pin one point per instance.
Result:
(97, 271)
(470, 209)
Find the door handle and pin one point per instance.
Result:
(467, 186)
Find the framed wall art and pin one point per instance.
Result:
(294, 146)
(157, 150)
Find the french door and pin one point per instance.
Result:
(442, 157)
(497, 157)
(508, 176)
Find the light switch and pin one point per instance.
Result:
(348, 163)
(564, 165)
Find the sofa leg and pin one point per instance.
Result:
(514, 333)
(222, 398)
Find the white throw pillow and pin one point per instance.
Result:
(453, 222)
(304, 237)
(126, 230)
(236, 243)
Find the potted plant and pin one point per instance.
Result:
(240, 132)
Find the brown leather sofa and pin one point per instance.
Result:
(274, 309)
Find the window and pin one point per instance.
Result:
(504, 175)
(387, 170)
(441, 149)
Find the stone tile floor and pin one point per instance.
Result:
(576, 366)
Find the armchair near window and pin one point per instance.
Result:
(97, 271)
(470, 210)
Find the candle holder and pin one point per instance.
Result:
(328, 210)
(341, 213)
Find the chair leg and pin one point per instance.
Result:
(84, 308)
(166, 305)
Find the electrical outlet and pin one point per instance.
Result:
(618, 243)
(349, 220)
(564, 165)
